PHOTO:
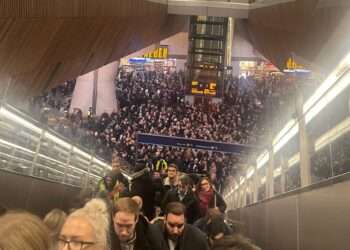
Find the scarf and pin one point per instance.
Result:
(129, 245)
(204, 200)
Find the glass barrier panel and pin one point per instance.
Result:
(54, 150)
(341, 155)
(9, 162)
(293, 180)
(28, 149)
(80, 162)
(321, 165)
(49, 168)
(97, 169)
(277, 188)
(262, 192)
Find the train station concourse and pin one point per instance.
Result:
(174, 124)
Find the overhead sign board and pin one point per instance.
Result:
(293, 67)
(181, 142)
(203, 88)
(138, 60)
(159, 53)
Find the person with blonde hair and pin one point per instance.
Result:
(54, 221)
(21, 230)
(86, 228)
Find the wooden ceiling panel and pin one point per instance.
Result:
(44, 43)
(317, 34)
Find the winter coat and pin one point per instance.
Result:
(216, 201)
(189, 200)
(142, 241)
(191, 238)
(143, 187)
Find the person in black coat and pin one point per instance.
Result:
(174, 233)
(213, 224)
(143, 186)
(233, 242)
(185, 195)
(158, 189)
(130, 229)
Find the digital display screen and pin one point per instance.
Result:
(201, 88)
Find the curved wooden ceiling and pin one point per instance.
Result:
(46, 42)
(317, 31)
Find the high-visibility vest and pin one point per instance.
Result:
(161, 165)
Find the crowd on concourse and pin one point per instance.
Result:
(154, 102)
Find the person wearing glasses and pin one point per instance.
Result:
(129, 232)
(174, 233)
(208, 197)
(86, 228)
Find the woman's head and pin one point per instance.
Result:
(204, 184)
(88, 226)
(54, 220)
(20, 230)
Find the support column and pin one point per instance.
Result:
(269, 176)
(305, 164)
(256, 184)
(96, 89)
(83, 92)
(229, 39)
(106, 97)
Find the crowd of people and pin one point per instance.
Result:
(150, 213)
(174, 202)
(155, 103)
(53, 103)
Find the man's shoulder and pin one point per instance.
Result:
(194, 232)
(155, 236)
(157, 227)
(194, 238)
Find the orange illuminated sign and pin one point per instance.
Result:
(203, 89)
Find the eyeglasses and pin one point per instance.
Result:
(204, 183)
(74, 244)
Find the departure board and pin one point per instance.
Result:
(201, 88)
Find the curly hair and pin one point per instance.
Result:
(97, 213)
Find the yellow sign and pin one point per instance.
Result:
(207, 89)
(158, 53)
(292, 64)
